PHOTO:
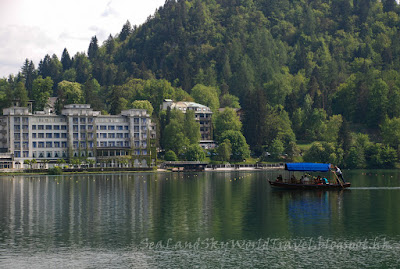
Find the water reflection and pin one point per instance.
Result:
(117, 211)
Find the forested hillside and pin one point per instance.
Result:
(301, 70)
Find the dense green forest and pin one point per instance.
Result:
(301, 70)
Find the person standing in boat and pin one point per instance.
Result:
(339, 173)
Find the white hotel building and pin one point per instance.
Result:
(79, 132)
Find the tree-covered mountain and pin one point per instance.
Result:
(300, 68)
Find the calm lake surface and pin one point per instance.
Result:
(201, 220)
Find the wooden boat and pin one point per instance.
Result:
(334, 184)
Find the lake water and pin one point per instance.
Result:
(197, 220)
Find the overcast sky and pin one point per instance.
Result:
(33, 28)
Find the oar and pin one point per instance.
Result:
(337, 179)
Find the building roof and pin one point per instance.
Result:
(190, 105)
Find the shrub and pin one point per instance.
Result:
(55, 171)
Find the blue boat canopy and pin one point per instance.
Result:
(310, 167)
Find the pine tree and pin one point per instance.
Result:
(126, 31)
(29, 73)
(66, 60)
(93, 49)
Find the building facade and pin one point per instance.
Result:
(203, 116)
(79, 133)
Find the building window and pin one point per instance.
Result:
(17, 145)
(49, 144)
(75, 145)
(56, 144)
(17, 154)
(17, 127)
(34, 144)
(83, 127)
(63, 127)
(41, 145)
(75, 128)
(56, 135)
(90, 127)
(49, 135)
(83, 144)
(103, 135)
(90, 120)
(144, 152)
(33, 127)
(76, 135)
(103, 144)
(75, 120)
(56, 154)
(26, 154)
(26, 136)
(64, 144)
(126, 128)
(103, 127)
(83, 136)
(111, 144)
(111, 135)
(119, 127)
(40, 135)
(83, 120)
(48, 154)
(17, 120)
(49, 127)
(111, 127)
(40, 127)
(17, 136)
(120, 144)
(126, 135)
(63, 135)
(34, 154)
(56, 127)
(41, 154)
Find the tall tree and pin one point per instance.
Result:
(66, 60)
(42, 90)
(20, 94)
(206, 95)
(226, 120)
(69, 93)
(126, 31)
(191, 128)
(29, 73)
(92, 94)
(254, 126)
(93, 49)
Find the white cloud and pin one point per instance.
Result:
(109, 11)
(32, 29)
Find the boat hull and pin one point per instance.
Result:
(283, 185)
